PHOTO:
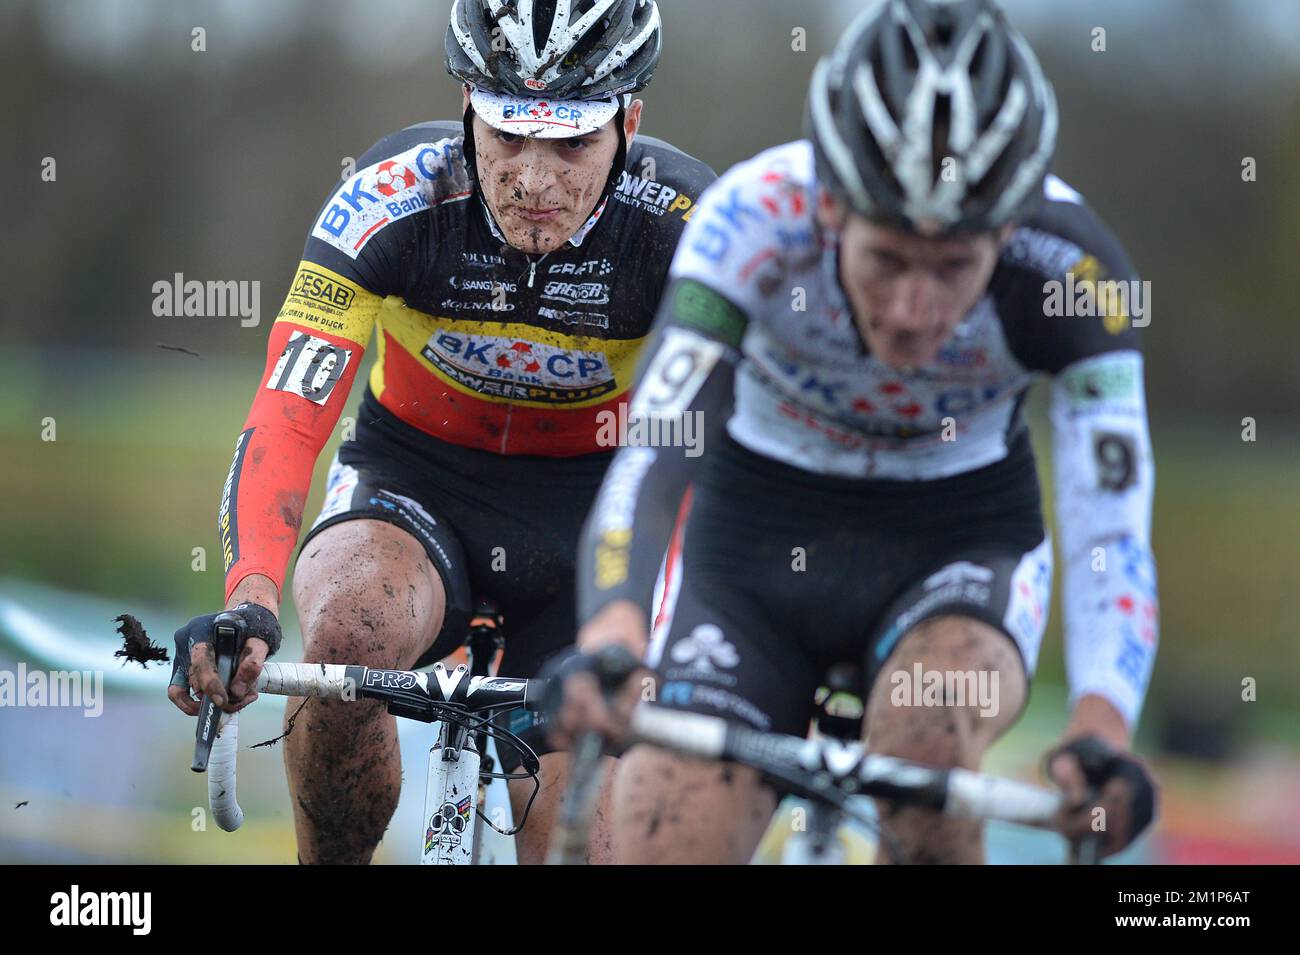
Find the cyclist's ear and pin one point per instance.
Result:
(632, 120)
(831, 212)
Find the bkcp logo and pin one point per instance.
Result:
(540, 111)
(520, 110)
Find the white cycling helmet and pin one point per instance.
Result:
(559, 49)
(934, 116)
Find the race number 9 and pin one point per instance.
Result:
(1116, 460)
(676, 373)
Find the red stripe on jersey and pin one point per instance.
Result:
(672, 560)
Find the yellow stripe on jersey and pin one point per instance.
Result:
(326, 301)
(574, 370)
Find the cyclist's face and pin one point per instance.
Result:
(908, 292)
(541, 191)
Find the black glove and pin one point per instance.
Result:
(612, 666)
(251, 620)
(1100, 764)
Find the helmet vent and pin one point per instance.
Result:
(911, 59)
(934, 115)
(977, 59)
(939, 136)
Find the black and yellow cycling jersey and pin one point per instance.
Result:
(481, 346)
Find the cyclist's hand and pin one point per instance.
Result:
(583, 705)
(194, 671)
(587, 707)
(1110, 795)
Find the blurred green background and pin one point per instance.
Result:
(214, 163)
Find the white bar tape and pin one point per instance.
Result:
(976, 796)
(692, 733)
(305, 679)
(221, 775)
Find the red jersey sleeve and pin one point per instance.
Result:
(315, 349)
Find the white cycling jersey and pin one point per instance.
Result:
(808, 394)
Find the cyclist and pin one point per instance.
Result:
(510, 263)
(857, 318)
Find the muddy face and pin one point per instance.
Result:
(909, 292)
(541, 191)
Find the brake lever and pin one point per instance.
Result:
(227, 638)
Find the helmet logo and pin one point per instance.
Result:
(534, 84)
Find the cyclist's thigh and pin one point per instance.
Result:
(378, 577)
(951, 662)
(675, 810)
(716, 655)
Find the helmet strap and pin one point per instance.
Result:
(620, 157)
(468, 146)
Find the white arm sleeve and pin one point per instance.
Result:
(1105, 479)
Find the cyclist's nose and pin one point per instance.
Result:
(910, 306)
(535, 176)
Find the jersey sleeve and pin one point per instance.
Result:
(354, 258)
(1105, 481)
(686, 374)
(313, 354)
(315, 349)
(754, 214)
(1104, 472)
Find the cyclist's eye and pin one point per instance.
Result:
(575, 145)
(510, 139)
(888, 262)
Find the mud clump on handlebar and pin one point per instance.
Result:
(136, 645)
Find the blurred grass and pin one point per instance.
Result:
(116, 504)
